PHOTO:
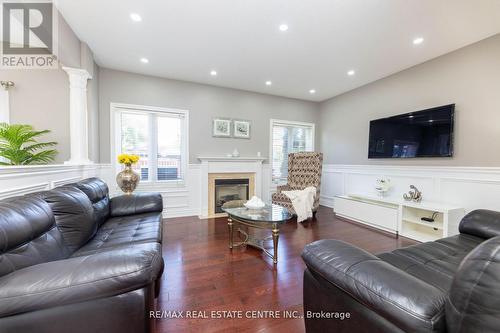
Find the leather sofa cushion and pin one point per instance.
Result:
(28, 234)
(80, 279)
(125, 230)
(73, 213)
(408, 302)
(434, 262)
(98, 193)
(136, 203)
(481, 223)
(473, 304)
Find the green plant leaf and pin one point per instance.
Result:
(19, 145)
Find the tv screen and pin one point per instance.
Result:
(426, 133)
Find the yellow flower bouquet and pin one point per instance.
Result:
(128, 159)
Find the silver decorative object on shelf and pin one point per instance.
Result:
(413, 195)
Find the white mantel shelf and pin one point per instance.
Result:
(230, 159)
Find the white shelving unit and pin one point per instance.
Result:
(401, 217)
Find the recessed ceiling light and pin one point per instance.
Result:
(351, 72)
(312, 91)
(431, 121)
(213, 72)
(283, 27)
(144, 60)
(135, 17)
(268, 83)
(418, 40)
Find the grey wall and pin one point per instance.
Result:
(69, 44)
(93, 114)
(203, 102)
(41, 97)
(469, 77)
(88, 63)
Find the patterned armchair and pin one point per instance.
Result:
(304, 169)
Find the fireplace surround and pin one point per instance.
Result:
(213, 167)
(223, 187)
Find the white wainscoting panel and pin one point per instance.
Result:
(182, 199)
(21, 180)
(268, 188)
(468, 187)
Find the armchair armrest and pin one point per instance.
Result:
(79, 279)
(287, 187)
(281, 188)
(481, 223)
(408, 302)
(136, 203)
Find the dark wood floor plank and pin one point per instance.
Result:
(202, 274)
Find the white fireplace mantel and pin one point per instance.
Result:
(230, 159)
(219, 164)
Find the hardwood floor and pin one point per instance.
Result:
(202, 274)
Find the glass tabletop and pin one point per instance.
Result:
(267, 214)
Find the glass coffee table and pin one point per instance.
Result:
(270, 217)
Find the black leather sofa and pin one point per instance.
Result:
(450, 285)
(74, 260)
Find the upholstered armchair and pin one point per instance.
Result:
(304, 169)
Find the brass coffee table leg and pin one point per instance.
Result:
(230, 226)
(276, 236)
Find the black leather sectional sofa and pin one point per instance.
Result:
(74, 260)
(450, 285)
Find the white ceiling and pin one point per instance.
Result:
(186, 39)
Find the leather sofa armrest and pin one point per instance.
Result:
(481, 223)
(79, 279)
(408, 302)
(136, 203)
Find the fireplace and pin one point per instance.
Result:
(228, 190)
(228, 186)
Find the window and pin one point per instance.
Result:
(288, 137)
(158, 136)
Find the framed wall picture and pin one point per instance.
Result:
(241, 129)
(221, 128)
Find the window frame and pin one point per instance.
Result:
(274, 122)
(116, 109)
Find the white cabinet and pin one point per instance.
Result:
(401, 217)
(376, 214)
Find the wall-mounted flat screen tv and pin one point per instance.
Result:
(426, 133)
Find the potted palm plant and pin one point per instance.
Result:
(19, 145)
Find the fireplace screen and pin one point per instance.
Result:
(228, 190)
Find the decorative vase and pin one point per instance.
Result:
(127, 179)
(382, 186)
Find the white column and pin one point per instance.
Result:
(78, 118)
